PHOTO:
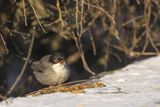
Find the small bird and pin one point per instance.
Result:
(51, 69)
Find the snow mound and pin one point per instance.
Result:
(136, 85)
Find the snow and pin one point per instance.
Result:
(139, 83)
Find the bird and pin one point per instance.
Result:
(51, 69)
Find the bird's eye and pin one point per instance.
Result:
(56, 60)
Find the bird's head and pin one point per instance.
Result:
(56, 58)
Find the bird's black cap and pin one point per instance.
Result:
(56, 57)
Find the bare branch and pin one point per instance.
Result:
(23, 68)
(37, 17)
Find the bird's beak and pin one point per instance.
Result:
(61, 61)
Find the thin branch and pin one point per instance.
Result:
(77, 38)
(60, 13)
(77, 24)
(24, 13)
(147, 14)
(132, 20)
(4, 43)
(34, 11)
(82, 54)
(138, 2)
(92, 43)
(81, 18)
(92, 22)
(101, 9)
(23, 68)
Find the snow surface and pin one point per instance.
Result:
(139, 83)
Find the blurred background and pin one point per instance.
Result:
(94, 35)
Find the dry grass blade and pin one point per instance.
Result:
(74, 88)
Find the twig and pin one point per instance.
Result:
(37, 17)
(92, 43)
(60, 13)
(4, 43)
(104, 11)
(138, 2)
(81, 18)
(131, 52)
(92, 22)
(24, 13)
(147, 14)
(77, 23)
(133, 19)
(77, 38)
(82, 55)
(23, 68)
